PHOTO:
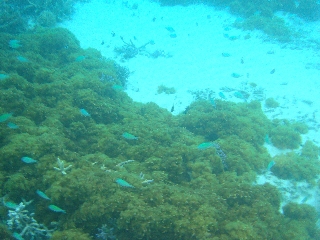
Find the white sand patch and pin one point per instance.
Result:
(193, 59)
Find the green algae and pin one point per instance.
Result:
(271, 103)
(297, 167)
(285, 134)
(191, 195)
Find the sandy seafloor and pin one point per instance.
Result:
(193, 61)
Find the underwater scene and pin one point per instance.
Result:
(159, 119)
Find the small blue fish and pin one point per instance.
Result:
(224, 54)
(170, 29)
(10, 205)
(3, 76)
(222, 95)
(239, 95)
(117, 87)
(28, 160)
(129, 136)
(84, 112)
(22, 59)
(213, 102)
(267, 139)
(205, 145)
(173, 35)
(13, 43)
(236, 75)
(123, 183)
(270, 165)
(42, 194)
(4, 117)
(54, 208)
(12, 125)
(80, 58)
(306, 198)
(232, 38)
(17, 236)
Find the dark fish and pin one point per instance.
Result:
(272, 71)
(172, 108)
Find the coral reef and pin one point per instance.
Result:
(192, 193)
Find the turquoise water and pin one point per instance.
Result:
(159, 120)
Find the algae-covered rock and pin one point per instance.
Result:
(294, 166)
(285, 135)
(310, 150)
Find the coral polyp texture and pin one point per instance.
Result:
(138, 172)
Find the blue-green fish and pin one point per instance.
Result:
(43, 195)
(28, 160)
(213, 102)
(222, 95)
(4, 117)
(123, 183)
(170, 29)
(10, 205)
(205, 145)
(117, 87)
(54, 208)
(267, 139)
(270, 165)
(235, 75)
(239, 95)
(3, 76)
(129, 136)
(224, 54)
(17, 236)
(13, 43)
(80, 58)
(22, 59)
(12, 125)
(84, 112)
